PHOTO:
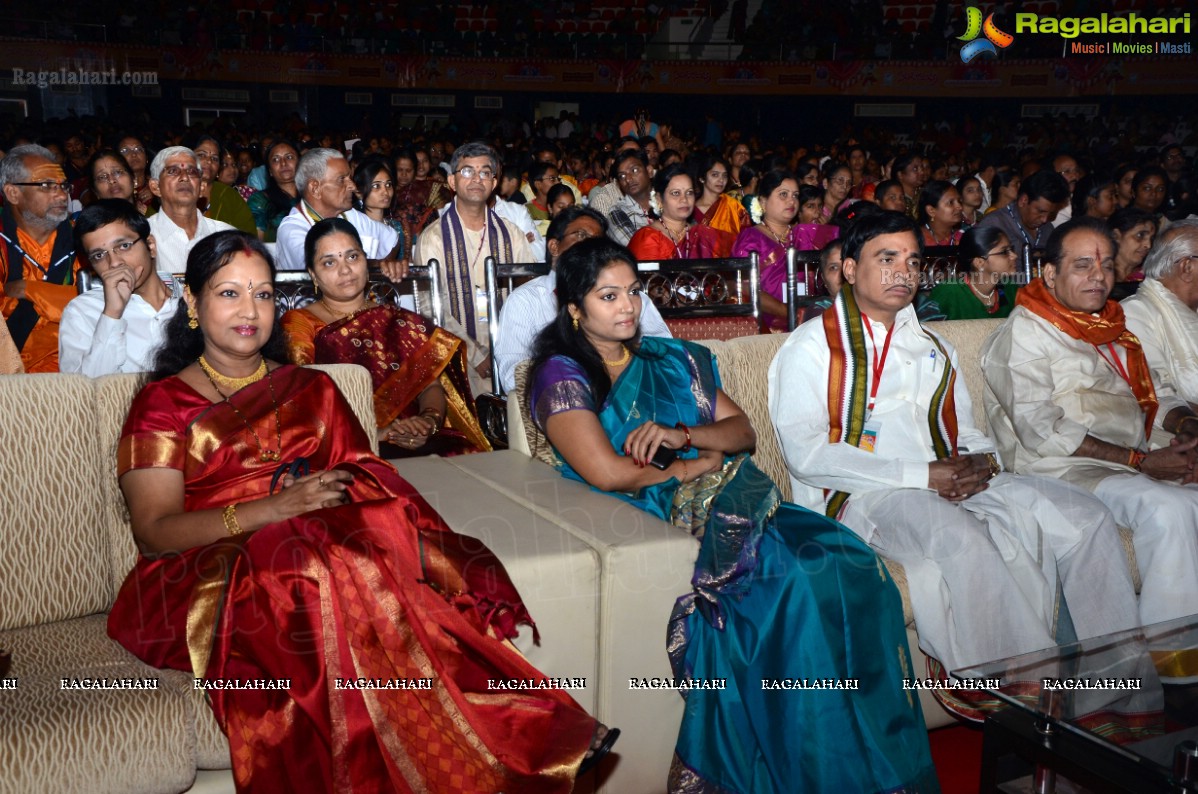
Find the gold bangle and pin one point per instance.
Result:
(431, 413)
(229, 516)
(685, 473)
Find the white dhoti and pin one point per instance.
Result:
(1163, 517)
(983, 574)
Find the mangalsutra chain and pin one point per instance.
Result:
(264, 454)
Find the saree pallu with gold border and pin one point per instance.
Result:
(728, 217)
(779, 594)
(404, 354)
(379, 589)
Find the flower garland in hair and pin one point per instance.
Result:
(755, 210)
(654, 204)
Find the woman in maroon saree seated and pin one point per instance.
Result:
(422, 400)
(337, 572)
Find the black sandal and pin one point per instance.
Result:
(598, 753)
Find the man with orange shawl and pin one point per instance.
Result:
(1070, 394)
(37, 253)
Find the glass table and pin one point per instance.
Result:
(1116, 713)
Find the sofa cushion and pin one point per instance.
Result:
(644, 565)
(53, 563)
(968, 336)
(114, 393)
(90, 740)
(556, 573)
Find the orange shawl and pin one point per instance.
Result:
(1108, 327)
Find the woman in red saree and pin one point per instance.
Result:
(339, 573)
(422, 400)
(416, 199)
(673, 236)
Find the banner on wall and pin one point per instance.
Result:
(1090, 75)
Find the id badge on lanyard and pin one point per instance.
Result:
(481, 305)
(869, 435)
(872, 428)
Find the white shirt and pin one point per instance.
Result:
(94, 344)
(1168, 330)
(798, 401)
(603, 197)
(530, 308)
(1064, 216)
(378, 239)
(172, 243)
(1046, 391)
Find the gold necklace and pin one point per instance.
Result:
(779, 240)
(676, 238)
(340, 315)
(265, 455)
(622, 360)
(232, 384)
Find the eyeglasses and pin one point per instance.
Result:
(132, 150)
(468, 172)
(179, 171)
(1008, 251)
(578, 235)
(624, 176)
(48, 186)
(111, 176)
(100, 254)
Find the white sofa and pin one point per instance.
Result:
(599, 576)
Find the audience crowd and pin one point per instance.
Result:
(1046, 223)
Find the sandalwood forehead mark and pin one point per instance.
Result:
(47, 171)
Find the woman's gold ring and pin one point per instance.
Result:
(321, 481)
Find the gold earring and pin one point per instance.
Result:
(192, 321)
(575, 323)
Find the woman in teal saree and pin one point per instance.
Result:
(779, 595)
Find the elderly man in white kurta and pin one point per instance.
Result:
(1163, 313)
(877, 430)
(1069, 394)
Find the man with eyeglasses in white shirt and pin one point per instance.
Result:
(37, 253)
(326, 187)
(179, 224)
(461, 240)
(533, 305)
(120, 326)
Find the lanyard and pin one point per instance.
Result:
(1027, 241)
(34, 262)
(1115, 362)
(879, 364)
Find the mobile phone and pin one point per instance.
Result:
(663, 458)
